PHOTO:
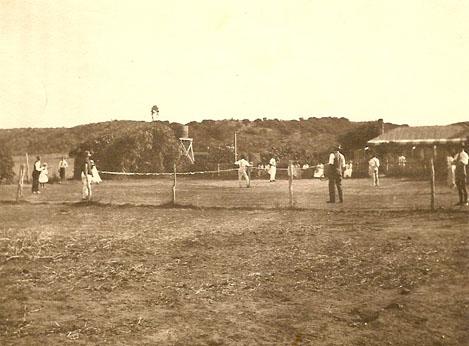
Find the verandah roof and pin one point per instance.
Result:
(457, 133)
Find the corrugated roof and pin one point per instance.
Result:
(456, 133)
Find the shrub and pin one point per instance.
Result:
(6, 164)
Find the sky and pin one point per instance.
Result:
(70, 62)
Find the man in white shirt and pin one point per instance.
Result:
(335, 171)
(461, 161)
(243, 165)
(272, 169)
(62, 166)
(373, 166)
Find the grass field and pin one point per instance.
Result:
(393, 194)
(236, 268)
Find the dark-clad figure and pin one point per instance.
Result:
(334, 174)
(37, 168)
(461, 160)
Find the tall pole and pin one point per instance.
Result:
(432, 186)
(27, 168)
(235, 148)
(290, 182)
(19, 191)
(174, 184)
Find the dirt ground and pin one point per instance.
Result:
(134, 274)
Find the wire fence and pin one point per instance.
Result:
(222, 188)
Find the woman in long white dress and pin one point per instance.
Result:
(272, 169)
(94, 173)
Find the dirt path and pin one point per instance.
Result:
(140, 275)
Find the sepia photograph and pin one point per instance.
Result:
(233, 172)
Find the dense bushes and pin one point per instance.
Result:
(6, 163)
(150, 148)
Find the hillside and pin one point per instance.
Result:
(60, 140)
(301, 139)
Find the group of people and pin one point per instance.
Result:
(335, 170)
(40, 175)
(337, 167)
(244, 166)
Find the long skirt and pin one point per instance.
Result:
(272, 172)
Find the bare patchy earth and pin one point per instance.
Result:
(142, 275)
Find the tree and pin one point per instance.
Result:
(6, 163)
(357, 138)
(153, 148)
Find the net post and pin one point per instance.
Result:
(432, 185)
(290, 182)
(19, 191)
(218, 169)
(174, 184)
(27, 168)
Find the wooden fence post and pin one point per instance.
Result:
(432, 186)
(27, 168)
(19, 191)
(290, 182)
(174, 185)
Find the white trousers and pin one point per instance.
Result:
(86, 189)
(242, 174)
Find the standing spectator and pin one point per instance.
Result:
(373, 166)
(461, 160)
(401, 160)
(348, 170)
(272, 169)
(43, 178)
(319, 171)
(62, 166)
(335, 170)
(451, 168)
(37, 168)
(243, 165)
(94, 172)
(86, 177)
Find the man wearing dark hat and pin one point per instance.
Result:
(461, 160)
(335, 171)
(37, 169)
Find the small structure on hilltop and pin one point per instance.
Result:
(185, 144)
(155, 111)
